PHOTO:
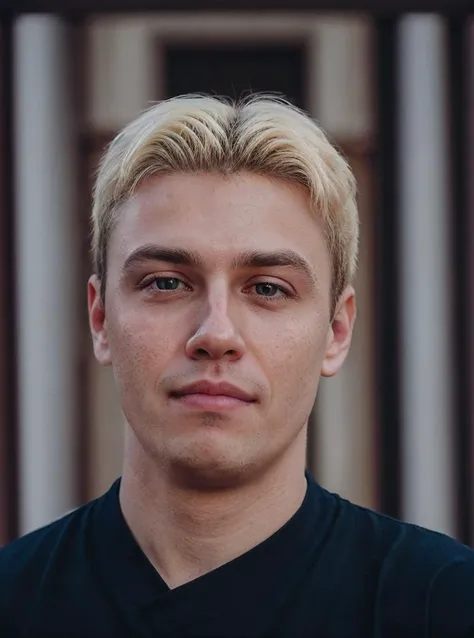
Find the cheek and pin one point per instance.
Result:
(296, 353)
(140, 346)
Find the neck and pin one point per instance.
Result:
(186, 533)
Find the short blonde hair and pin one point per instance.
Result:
(261, 134)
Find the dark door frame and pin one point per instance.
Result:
(379, 7)
(8, 431)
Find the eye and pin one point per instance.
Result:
(270, 291)
(164, 284)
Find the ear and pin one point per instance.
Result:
(98, 322)
(340, 333)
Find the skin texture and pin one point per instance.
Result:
(212, 482)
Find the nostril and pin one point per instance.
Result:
(201, 352)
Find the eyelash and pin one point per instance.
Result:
(285, 294)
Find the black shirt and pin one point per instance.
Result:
(335, 570)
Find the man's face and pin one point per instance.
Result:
(215, 280)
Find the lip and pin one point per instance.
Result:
(213, 393)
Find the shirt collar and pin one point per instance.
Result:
(256, 575)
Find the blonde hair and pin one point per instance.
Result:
(261, 134)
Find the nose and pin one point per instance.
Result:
(217, 336)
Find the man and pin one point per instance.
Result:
(225, 243)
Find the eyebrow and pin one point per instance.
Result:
(271, 259)
(246, 260)
(152, 252)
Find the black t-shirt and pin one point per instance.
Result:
(335, 570)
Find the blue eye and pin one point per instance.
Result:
(267, 289)
(166, 283)
(163, 285)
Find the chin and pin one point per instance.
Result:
(203, 479)
(204, 465)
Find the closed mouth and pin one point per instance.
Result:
(222, 389)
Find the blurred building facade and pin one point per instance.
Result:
(394, 429)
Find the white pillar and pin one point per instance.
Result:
(47, 244)
(427, 432)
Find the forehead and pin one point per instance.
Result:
(220, 217)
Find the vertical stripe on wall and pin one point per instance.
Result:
(8, 475)
(427, 372)
(461, 245)
(469, 292)
(47, 249)
(385, 169)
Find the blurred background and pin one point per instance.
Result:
(395, 430)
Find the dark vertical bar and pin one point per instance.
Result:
(469, 52)
(388, 387)
(8, 413)
(460, 272)
(470, 207)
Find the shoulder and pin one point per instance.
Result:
(408, 544)
(35, 548)
(425, 578)
(450, 607)
(393, 543)
(25, 562)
